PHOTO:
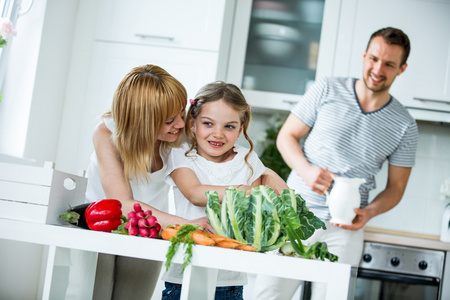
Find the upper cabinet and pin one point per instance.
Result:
(424, 88)
(278, 48)
(195, 24)
(186, 38)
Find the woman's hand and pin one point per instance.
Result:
(203, 222)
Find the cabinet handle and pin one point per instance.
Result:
(431, 100)
(148, 36)
(291, 102)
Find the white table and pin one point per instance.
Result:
(199, 276)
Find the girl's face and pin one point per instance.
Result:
(216, 130)
(172, 128)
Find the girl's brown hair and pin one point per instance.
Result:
(231, 95)
(145, 99)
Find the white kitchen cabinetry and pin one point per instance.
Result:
(195, 24)
(278, 48)
(424, 88)
(186, 38)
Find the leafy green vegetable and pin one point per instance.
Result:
(184, 236)
(318, 250)
(264, 219)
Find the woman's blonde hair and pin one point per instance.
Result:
(231, 95)
(145, 99)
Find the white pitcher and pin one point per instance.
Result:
(343, 199)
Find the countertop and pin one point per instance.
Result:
(199, 276)
(403, 238)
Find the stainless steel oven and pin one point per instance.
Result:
(389, 272)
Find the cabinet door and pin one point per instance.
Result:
(112, 61)
(195, 24)
(425, 84)
(279, 47)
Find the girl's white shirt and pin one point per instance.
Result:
(155, 192)
(233, 172)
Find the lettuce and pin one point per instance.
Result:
(263, 219)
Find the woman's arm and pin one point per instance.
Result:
(113, 180)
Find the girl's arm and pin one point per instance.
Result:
(191, 188)
(274, 181)
(113, 180)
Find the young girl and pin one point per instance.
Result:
(212, 160)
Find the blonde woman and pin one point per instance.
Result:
(131, 143)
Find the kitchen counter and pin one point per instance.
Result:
(199, 276)
(403, 238)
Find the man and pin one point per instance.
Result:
(353, 127)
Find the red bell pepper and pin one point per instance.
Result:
(104, 215)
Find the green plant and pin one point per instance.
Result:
(271, 157)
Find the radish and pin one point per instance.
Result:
(142, 223)
(153, 233)
(157, 227)
(148, 212)
(137, 207)
(131, 214)
(133, 230)
(134, 221)
(127, 225)
(144, 232)
(151, 221)
(140, 215)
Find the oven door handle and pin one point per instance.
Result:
(397, 277)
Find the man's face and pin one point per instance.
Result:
(381, 64)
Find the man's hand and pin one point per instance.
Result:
(318, 179)
(360, 220)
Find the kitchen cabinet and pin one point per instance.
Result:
(279, 48)
(186, 38)
(194, 24)
(424, 88)
(79, 262)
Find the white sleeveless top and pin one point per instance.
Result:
(155, 192)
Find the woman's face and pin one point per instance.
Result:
(172, 128)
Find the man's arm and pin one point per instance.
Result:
(317, 178)
(385, 200)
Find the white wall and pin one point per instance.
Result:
(420, 209)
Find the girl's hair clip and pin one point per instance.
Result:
(192, 101)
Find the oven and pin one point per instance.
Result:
(391, 272)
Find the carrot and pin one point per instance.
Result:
(245, 247)
(169, 231)
(202, 238)
(228, 244)
(218, 238)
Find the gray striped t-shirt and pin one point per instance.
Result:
(349, 142)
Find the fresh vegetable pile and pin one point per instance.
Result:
(140, 223)
(265, 220)
(190, 234)
(106, 215)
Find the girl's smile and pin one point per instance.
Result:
(217, 129)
